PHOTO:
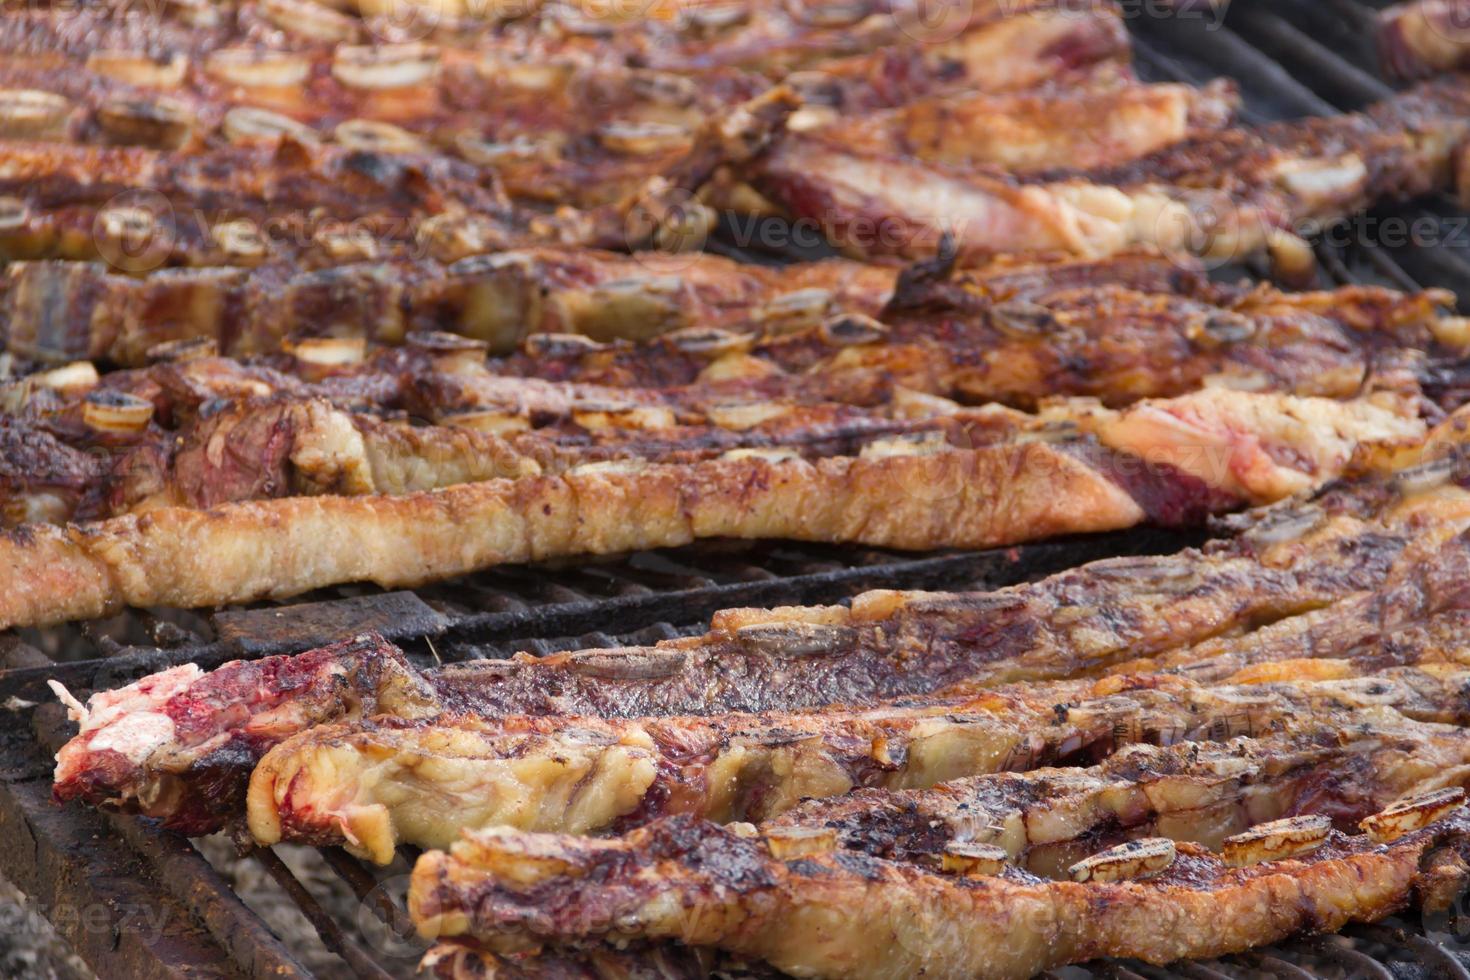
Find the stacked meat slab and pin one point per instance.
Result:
(301, 295)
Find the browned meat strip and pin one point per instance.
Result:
(374, 784)
(1047, 820)
(841, 914)
(1225, 195)
(1206, 453)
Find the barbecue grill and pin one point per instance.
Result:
(140, 902)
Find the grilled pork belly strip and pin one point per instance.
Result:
(1224, 196)
(847, 915)
(1168, 460)
(284, 547)
(379, 782)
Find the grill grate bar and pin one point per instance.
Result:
(1338, 80)
(364, 884)
(331, 933)
(1437, 960)
(1388, 267)
(186, 876)
(1358, 964)
(1280, 968)
(1222, 51)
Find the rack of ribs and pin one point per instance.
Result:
(66, 310)
(575, 120)
(70, 310)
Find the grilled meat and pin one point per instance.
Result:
(978, 45)
(139, 209)
(1169, 461)
(1096, 126)
(887, 644)
(847, 915)
(528, 120)
(990, 46)
(833, 390)
(134, 742)
(1107, 342)
(561, 117)
(383, 781)
(305, 447)
(67, 310)
(1418, 38)
(1046, 820)
(1224, 196)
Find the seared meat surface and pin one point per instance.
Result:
(365, 785)
(1227, 194)
(840, 914)
(301, 295)
(1371, 571)
(902, 493)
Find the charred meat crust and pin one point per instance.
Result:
(703, 885)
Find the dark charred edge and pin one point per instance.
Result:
(916, 283)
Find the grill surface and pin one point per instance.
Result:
(139, 902)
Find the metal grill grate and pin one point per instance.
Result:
(166, 912)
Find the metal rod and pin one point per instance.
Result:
(365, 886)
(1348, 86)
(321, 920)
